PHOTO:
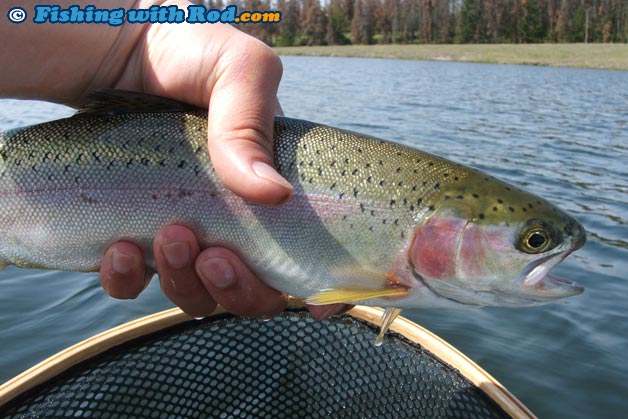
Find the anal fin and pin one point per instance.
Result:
(389, 316)
(353, 294)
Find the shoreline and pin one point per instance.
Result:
(593, 56)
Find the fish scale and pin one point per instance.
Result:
(369, 221)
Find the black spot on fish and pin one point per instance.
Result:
(198, 150)
(144, 161)
(456, 178)
(50, 177)
(494, 208)
(445, 175)
(355, 192)
(370, 228)
(511, 209)
(393, 202)
(157, 148)
(359, 150)
(88, 199)
(372, 212)
(333, 163)
(539, 203)
(405, 201)
(311, 163)
(431, 208)
(415, 171)
(424, 183)
(302, 176)
(507, 188)
(399, 153)
(154, 197)
(333, 185)
(362, 207)
(530, 205)
(343, 173)
(460, 197)
(162, 162)
(396, 222)
(481, 216)
(310, 180)
(78, 159)
(384, 221)
(414, 187)
(476, 196)
(367, 165)
(500, 201)
(430, 163)
(417, 161)
(197, 169)
(346, 161)
(66, 168)
(486, 179)
(355, 172)
(304, 146)
(418, 201)
(400, 183)
(369, 179)
(34, 168)
(318, 152)
(31, 155)
(447, 197)
(110, 165)
(381, 162)
(382, 183)
(171, 150)
(524, 209)
(437, 185)
(344, 217)
(320, 171)
(130, 162)
(96, 156)
(411, 207)
(398, 170)
(342, 194)
(403, 235)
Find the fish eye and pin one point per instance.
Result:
(535, 237)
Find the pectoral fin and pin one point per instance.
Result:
(353, 294)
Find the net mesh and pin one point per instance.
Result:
(289, 367)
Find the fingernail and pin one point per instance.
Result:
(217, 272)
(177, 254)
(265, 171)
(121, 263)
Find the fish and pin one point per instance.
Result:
(370, 221)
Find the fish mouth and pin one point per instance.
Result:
(540, 285)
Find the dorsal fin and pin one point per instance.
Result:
(112, 101)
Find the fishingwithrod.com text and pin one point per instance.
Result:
(155, 14)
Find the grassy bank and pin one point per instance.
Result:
(606, 56)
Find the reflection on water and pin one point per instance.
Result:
(560, 133)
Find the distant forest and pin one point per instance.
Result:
(338, 22)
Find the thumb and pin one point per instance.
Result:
(240, 122)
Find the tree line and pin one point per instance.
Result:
(339, 22)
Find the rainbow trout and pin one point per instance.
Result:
(370, 221)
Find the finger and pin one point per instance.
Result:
(122, 271)
(175, 248)
(235, 287)
(240, 122)
(326, 311)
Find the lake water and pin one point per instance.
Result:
(560, 133)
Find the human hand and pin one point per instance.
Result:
(236, 77)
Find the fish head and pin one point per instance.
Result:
(489, 243)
